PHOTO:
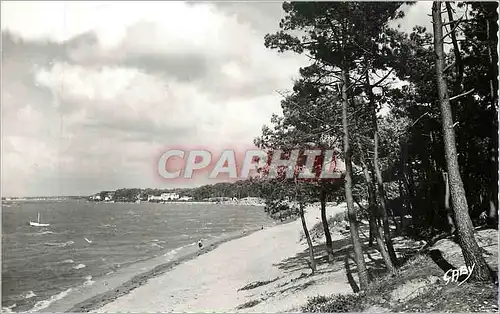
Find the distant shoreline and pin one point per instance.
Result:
(235, 203)
(7, 202)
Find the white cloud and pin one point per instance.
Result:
(232, 70)
(416, 14)
(125, 81)
(170, 27)
(129, 99)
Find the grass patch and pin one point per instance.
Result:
(257, 284)
(337, 303)
(248, 304)
(436, 297)
(419, 266)
(439, 297)
(469, 297)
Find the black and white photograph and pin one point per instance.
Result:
(249, 156)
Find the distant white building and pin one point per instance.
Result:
(109, 197)
(185, 198)
(154, 198)
(169, 196)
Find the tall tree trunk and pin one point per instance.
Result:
(324, 219)
(449, 214)
(312, 261)
(493, 67)
(457, 90)
(493, 212)
(373, 226)
(378, 173)
(472, 253)
(351, 210)
(383, 201)
(375, 229)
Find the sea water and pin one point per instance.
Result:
(87, 240)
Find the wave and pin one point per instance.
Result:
(8, 309)
(157, 245)
(66, 261)
(79, 266)
(43, 232)
(88, 281)
(45, 303)
(63, 244)
(28, 295)
(158, 241)
(171, 254)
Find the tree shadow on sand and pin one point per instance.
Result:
(342, 260)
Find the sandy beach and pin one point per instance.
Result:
(213, 281)
(263, 270)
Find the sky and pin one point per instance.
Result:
(94, 92)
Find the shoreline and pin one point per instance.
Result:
(258, 272)
(106, 289)
(186, 203)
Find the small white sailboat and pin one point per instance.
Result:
(37, 223)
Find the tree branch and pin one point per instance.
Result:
(461, 95)
(383, 78)
(456, 49)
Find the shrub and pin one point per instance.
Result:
(280, 210)
(340, 303)
(317, 232)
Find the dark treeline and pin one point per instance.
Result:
(238, 189)
(431, 155)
